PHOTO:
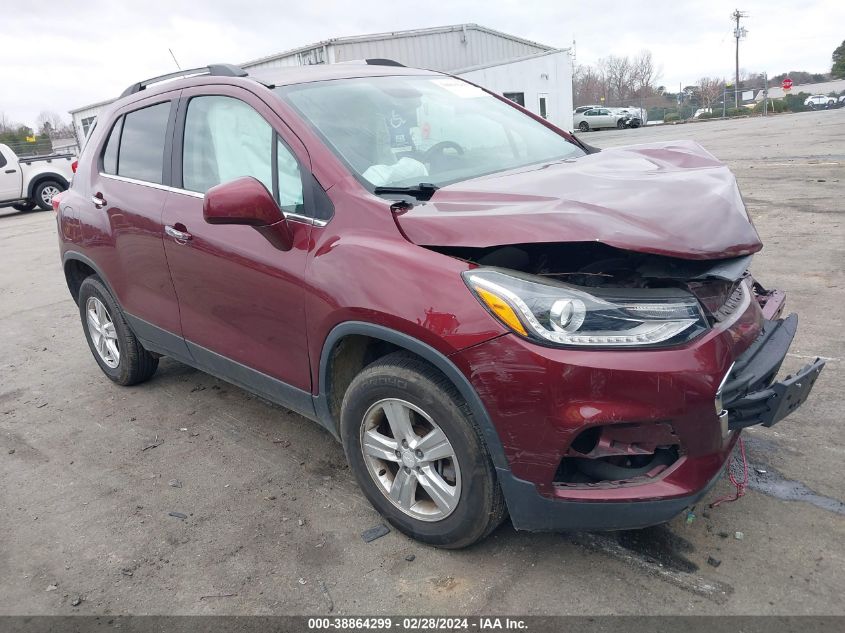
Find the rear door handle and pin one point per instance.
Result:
(179, 236)
(11, 171)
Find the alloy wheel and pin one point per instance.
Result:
(411, 460)
(102, 331)
(48, 192)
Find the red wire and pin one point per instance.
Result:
(740, 485)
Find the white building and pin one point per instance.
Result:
(534, 75)
(824, 88)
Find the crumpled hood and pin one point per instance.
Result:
(671, 198)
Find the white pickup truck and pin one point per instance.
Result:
(29, 182)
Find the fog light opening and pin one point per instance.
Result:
(615, 470)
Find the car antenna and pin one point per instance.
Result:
(174, 58)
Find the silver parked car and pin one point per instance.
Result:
(598, 118)
(584, 108)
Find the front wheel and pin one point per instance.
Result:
(418, 455)
(584, 126)
(45, 191)
(620, 124)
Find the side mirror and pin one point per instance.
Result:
(246, 201)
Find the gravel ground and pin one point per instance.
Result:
(92, 471)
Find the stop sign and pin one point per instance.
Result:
(787, 84)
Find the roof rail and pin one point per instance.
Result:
(383, 62)
(214, 70)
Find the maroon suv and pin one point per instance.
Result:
(491, 316)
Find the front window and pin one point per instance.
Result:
(225, 139)
(401, 131)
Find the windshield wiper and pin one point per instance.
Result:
(422, 191)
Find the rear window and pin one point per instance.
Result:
(141, 152)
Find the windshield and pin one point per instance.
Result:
(402, 131)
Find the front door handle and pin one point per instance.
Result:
(11, 171)
(98, 200)
(176, 234)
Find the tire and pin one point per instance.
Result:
(584, 126)
(24, 206)
(620, 124)
(132, 364)
(402, 381)
(44, 192)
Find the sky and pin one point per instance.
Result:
(90, 50)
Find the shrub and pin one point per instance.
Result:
(776, 105)
(795, 103)
(672, 116)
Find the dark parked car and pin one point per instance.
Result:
(491, 317)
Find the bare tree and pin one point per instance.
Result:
(618, 74)
(50, 124)
(644, 73)
(5, 123)
(710, 89)
(616, 79)
(588, 85)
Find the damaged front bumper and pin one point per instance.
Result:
(653, 408)
(750, 396)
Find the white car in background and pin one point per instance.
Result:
(597, 119)
(820, 101)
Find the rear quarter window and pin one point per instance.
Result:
(141, 152)
(110, 151)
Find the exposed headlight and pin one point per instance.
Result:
(560, 314)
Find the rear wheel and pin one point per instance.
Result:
(418, 455)
(115, 348)
(584, 126)
(45, 191)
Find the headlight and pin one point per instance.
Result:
(560, 314)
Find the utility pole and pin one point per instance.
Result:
(739, 32)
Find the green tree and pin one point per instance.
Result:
(838, 69)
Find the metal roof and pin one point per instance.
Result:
(283, 77)
(323, 72)
(505, 62)
(469, 26)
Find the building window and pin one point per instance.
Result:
(543, 112)
(87, 122)
(516, 97)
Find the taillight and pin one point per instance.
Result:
(56, 200)
(74, 165)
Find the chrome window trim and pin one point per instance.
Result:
(305, 219)
(288, 216)
(154, 185)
